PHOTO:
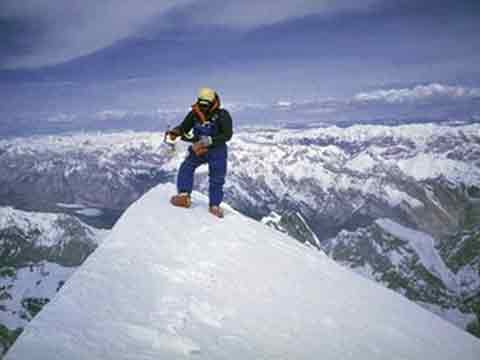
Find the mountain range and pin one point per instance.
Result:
(398, 204)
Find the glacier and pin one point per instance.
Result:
(171, 283)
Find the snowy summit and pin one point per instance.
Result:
(171, 283)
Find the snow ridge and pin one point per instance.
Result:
(179, 283)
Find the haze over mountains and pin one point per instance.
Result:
(52, 108)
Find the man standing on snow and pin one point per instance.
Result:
(212, 128)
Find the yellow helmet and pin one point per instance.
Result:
(206, 95)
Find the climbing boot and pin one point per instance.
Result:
(181, 200)
(216, 210)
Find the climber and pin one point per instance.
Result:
(212, 129)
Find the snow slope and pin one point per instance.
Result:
(171, 283)
(40, 281)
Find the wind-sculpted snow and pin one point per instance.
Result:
(171, 283)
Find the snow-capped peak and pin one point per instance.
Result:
(178, 283)
(49, 226)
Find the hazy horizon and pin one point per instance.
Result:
(392, 60)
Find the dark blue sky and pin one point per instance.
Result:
(131, 53)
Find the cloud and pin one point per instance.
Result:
(418, 93)
(248, 14)
(111, 114)
(61, 118)
(46, 32)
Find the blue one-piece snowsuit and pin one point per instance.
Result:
(219, 128)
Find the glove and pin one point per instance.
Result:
(199, 148)
(173, 134)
